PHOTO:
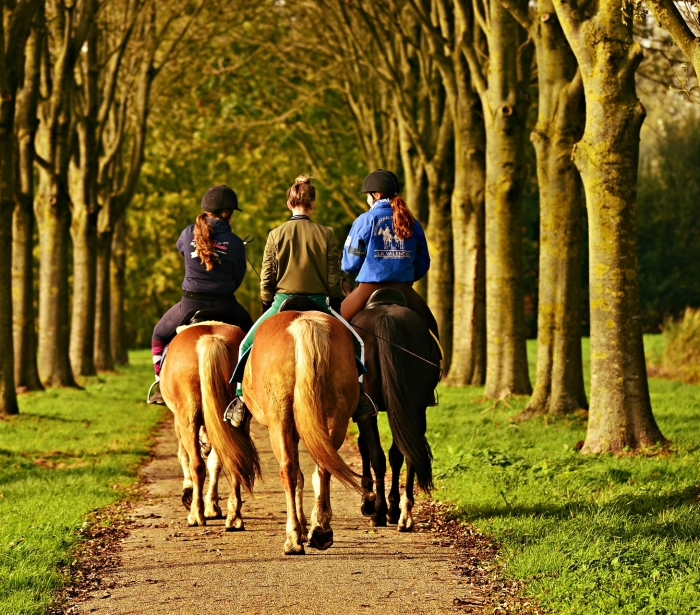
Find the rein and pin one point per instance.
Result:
(397, 346)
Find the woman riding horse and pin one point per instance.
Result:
(214, 269)
(386, 247)
(301, 258)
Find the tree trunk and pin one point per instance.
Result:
(53, 219)
(620, 412)
(469, 338)
(559, 385)
(103, 347)
(120, 350)
(24, 320)
(439, 236)
(506, 104)
(8, 397)
(82, 335)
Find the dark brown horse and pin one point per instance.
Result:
(402, 360)
(301, 383)
(194, 384)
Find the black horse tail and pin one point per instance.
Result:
(405, 406)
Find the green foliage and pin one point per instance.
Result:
(67, 453)
(681, 356)
(669, 234)
(588, 535)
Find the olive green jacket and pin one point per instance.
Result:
(301, 258)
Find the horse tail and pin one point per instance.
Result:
(233, 445)
(311, 334)
(406, 415)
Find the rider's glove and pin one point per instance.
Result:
(266, 305)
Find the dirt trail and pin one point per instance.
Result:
(167, 567)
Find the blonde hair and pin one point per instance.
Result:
(301, 193)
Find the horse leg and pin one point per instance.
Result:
(300, 501)
(321, 532)
(234, 521)
(406, 520)
(368, 495)
(212, 510)
(369, 432)
(190, 438)
(395, 461)
(184, 460)
(286, 451)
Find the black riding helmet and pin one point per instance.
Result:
(381, 181)
(218, 198)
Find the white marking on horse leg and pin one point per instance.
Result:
(184, 460)
(212, 510)
(234, 521)
(321, 536)
(406, 518)
(288, 474)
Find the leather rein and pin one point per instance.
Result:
(397, 346)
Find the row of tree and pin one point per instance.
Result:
(442, 91)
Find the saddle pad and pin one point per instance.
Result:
(181, 328)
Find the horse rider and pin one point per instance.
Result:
(386, 247)
(214, 269)
(301, 258)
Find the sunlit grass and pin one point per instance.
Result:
(67, 453)
(588, 535)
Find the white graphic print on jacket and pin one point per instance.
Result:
(393, 245)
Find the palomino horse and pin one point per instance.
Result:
(301, 383)
(194, 384)
(402, 361)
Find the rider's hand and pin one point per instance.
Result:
(266, 305)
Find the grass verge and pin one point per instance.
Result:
(67, 453)
(586, 535)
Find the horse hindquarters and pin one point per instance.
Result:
(234, 446)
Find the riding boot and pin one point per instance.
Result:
(366, 408)
(154, 394)
(236, 412)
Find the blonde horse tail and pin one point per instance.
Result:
(311, 334)
(233, 445)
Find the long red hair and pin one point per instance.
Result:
(403, 218)
(203, 243)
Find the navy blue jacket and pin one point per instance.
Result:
(373, 250)
(227, 274)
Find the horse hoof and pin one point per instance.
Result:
(393, 517)
(292, 549)
(236, 526)
(187, 497)
(213, 512)
(377, 521)
(321, 539)
(406, 526)
(368, 504)
(192, 522)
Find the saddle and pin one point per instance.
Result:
(386, 296)
(298, 303)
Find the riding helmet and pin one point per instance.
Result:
(220, 197)
(381, 181)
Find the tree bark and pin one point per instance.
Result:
(120, 350)
(607, 156)
(14, 30)
(24, 320)
(506, 101)
(559, 385)
(103, 348)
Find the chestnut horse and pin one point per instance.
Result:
(301, 383)
(194, 384)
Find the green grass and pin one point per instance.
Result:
(67, 453)
(588, 535)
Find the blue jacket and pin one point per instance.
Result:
(227, 274)
(373, 250)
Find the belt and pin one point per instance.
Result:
(207, 296)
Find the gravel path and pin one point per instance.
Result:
(167, 567)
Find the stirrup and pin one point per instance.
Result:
(436, 399)
(155, 397)
(235, 412)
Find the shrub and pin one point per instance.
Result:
(681, 358)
